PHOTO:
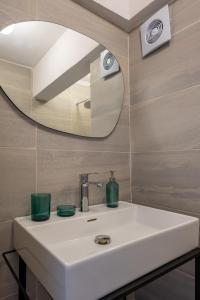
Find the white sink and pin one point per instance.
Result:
(64, 257)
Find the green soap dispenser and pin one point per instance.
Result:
(112, 192)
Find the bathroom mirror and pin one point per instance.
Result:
(61, 78)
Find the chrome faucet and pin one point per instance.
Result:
(84, 193)
(84, 190)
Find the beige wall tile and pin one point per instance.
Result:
(131, 297)
(169, 69)
(14, 75)
(184, 13)
(42, 293)
(168, 123)
(8, 287)
(16, 11)
(167, 179)
(15, 129)
(189, 268)
(17, 177)
(6, 236)
(58, 173)
(12, 297)
(175, 285)
(131, 71)
(118, 141)
(106, 98)
(164, 132)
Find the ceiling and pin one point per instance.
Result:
(117, 6)
(35, 39)
(126, 8)
(126, 14)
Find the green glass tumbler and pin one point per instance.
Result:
(40, 206)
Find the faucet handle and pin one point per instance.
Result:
(100, 184)
(97, 183)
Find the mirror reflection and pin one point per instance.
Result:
(61, 78)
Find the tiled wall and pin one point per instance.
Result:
(165, 142)
(33, 158)
(165, 126)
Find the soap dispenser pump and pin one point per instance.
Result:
(112, 192)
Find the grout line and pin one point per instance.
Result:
(17, 148)
(167, 151)
(8, 296)
(186, 27)
(138, 106)
(64, 150)
(36, 10)
(37, 294)
(130, 135)
(89, 151)
(184, 273)
(5, 221)
(15, 64)
(36, 159)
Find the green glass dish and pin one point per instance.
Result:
(66, 210)
(40, 206)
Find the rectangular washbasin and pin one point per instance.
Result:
(61, 252)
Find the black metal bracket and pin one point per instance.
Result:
(126, 290)
(21, 279)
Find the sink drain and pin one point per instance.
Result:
(102, 239)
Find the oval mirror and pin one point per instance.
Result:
(61, 78)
